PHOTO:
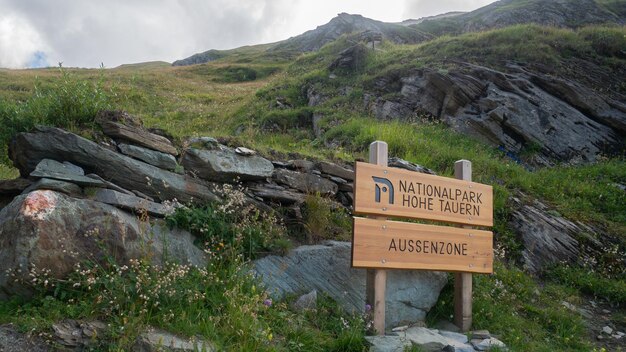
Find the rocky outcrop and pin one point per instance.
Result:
(28, 149)
(11, 340)
(518, 110)
(51, 231)
(548, 238)
(326, 268)
(156, 340)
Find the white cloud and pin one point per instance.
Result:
(89, 32)
(19, 41)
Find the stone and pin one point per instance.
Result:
(156, 340)
(427, 340)
(152, 157)
(407, 165)
(447, 326)
(335, 170)
(306, 183)
(338, 180)
(47, 229)
(388, 343)
(28, 149)
(326, 268)
(244, 151)
(14, 187)
(306, 302)
(302, 165)
(488, 344)
(53, 166)
(11, 340)
(68, 188)
(548, 239)
(78, 334)
(110, 185)
(458, 337)
(607, 330)
(203, 142)
(133, 203)
(480, 334)
(349, 59)
(347, 187)
(400, 328)
(141, 195)
(224, 165)
(137, 135)
(281, 196)
(48, 168)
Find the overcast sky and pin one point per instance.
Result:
(86, 33)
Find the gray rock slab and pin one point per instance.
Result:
(133, 203)
(152, 157)
(305, 182)
(407, 165)
(278, 195)
(427, 340)
(388, 343)
(335, 170)
(326, 268)
(47, 229)
(302, 165)
(28, 149)
(223, 164)
(156, 340)
(76, 179)
(461, 338)
(68, 188)
(488, 344)
(53, 166)
(78, 334)
(138, 135)
(110, 185)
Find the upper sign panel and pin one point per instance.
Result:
(387, 191)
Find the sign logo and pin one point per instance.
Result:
(387, 187)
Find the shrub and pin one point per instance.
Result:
(69, 102)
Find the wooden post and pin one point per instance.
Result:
(376, 279)
(463, 281)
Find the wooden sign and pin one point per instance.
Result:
(387, 191)
(402, 245)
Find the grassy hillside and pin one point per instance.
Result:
(263, 104)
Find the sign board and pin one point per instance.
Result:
(402, 245)
(388, 191)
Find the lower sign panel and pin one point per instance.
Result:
(384, 244)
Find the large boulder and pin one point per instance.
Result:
(326, 268)
(28, 149)
(225, 165)
(49, 230)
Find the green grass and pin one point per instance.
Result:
(527, 316)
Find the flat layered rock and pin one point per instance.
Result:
(68, 188)
(156, 340)
(277, 195)
(28, 149)
(138, 136)
(152, 157)
(225, 165)
(306, 183)
(335, 170)
(133, 203)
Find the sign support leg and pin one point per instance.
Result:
(376, 279)
(463, 281)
